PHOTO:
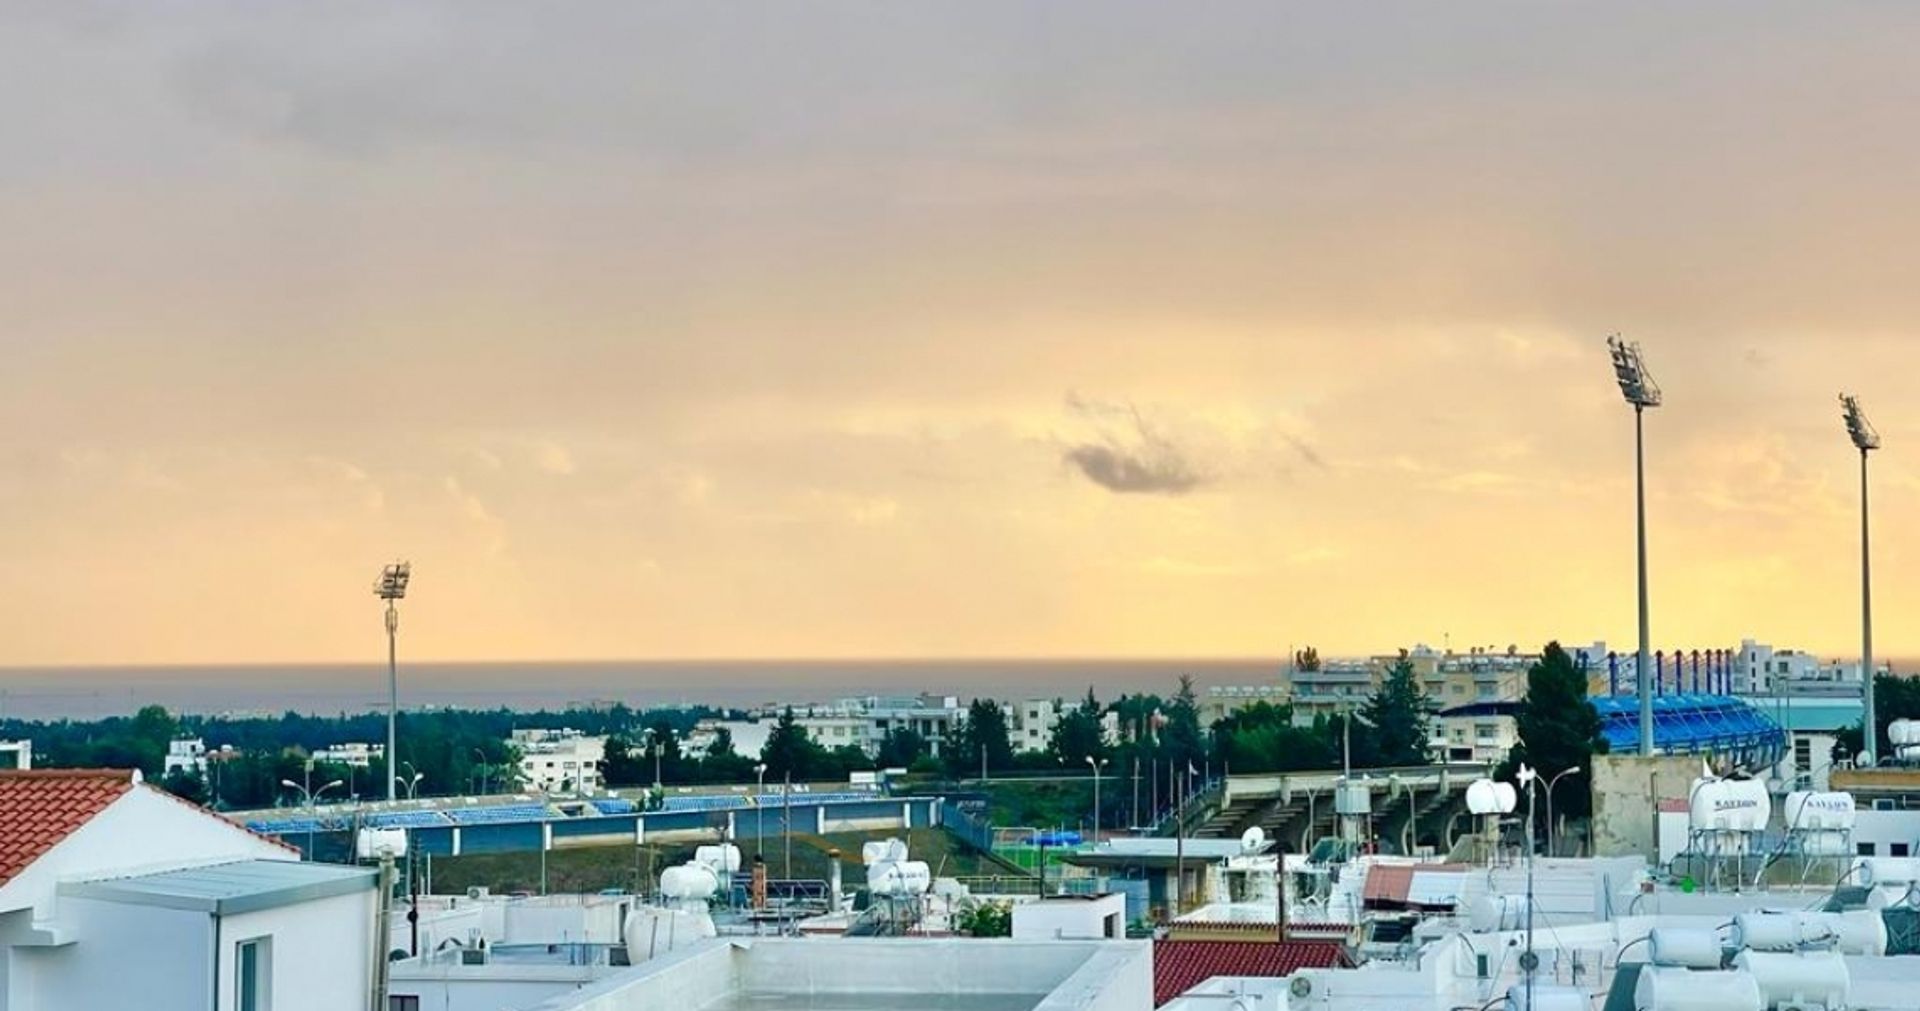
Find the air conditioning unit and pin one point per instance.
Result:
(478, 892)
(473, 956)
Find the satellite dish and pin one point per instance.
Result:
(1252, 839)
(1860, 761)
(1300, 987)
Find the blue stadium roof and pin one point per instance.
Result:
(1693, 724)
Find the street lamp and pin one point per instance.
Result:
(1550, 786)
(1097, 766)
(309, 797)
(1638, 387)
(413, 784)
(391, 588)
(483, 765)
(1866, 440)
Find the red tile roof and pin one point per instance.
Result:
(1179, 966)
(39, 808)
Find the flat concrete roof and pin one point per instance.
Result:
(227, 889)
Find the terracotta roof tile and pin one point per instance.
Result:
(1179, 966)
(40, 807)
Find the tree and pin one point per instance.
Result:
(1180, 740)
(1307, 659)
(187, 785)
(621, 764)
(985, 732)
(985, 919)
(1559, 729)
(1894, 698)
(789, 751)
(1398, 716)
(1263, 738)
(901, 748)
(1077, 734)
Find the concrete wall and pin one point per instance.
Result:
(322, 952)
(127, 957)
(1627, 791)
(487, 987)
(1093, 919)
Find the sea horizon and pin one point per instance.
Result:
(95, 691)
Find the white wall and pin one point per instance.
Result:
(127, 957)
(1070, 919)
(1882, 829)
(322, 953)
(143, 832)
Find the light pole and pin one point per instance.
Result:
(1638, 387)
(483, 767)
(1096, 795)
(759, 808)
(392, 588)
(1550, 785)
(413, 784)
(309, 797)
(1866, 440)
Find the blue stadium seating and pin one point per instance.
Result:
(613, 805)
(498, 815)
(1693, 724)
(407, 819)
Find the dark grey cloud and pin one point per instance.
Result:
(1130, 457)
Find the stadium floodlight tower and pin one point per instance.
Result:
(1866, 440)
(391, 588)
(1637, 385)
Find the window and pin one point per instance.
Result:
(1898, 849)
(397, 1002)
(1802, 754)
(1864, 849)
(253, 974)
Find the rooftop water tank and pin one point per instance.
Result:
(374, 843)
(1353, 798)
(1806, 980)
(1807, 811)
(1904, 732)
(1485, 796)
(1691, 948)
(1874, 872)
(905, 877)
(1499, 912)
(688, 881)
(719, 859)
(1665, 988)
(883, 850)
(1729, 805)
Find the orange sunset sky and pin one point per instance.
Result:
(963, 329)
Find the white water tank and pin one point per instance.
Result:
(1875, 872)
(374, 843)
(1547, 997)
(883, 851)
(688, 881)
(1856, 932)
(1665, 988)
(1806, 980)
(904, 877)
(1691, 948)
(1484, 796)
(1353, 798)
(1807, 811)
(1904, 732)
(723, 859)
(1729, 805)
(1499, 912)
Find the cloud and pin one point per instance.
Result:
(1132, 458)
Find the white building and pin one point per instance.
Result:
(116, 895)
(187, 755)
(1072, 918)
(355, 753)
(1032, 722)
(1758, 666)
(16, 754)
(560, 761)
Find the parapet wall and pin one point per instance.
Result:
(1627, 793)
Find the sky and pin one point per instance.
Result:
(964, 329)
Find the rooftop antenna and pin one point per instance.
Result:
(1641, 392)
(1866, 440)
(392, 588)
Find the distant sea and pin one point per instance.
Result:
(41, 693)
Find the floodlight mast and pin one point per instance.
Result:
(1638, 387)
(1866, 440)
(392, 588)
